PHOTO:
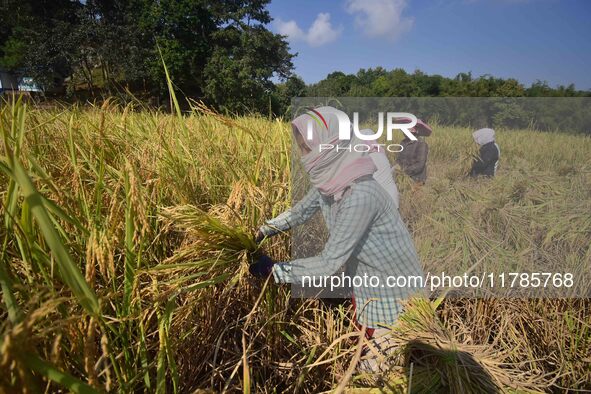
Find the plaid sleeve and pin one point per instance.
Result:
(296, 215)
(353, 219)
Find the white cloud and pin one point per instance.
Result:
(289, 29)
(320, 33)
(380, 18)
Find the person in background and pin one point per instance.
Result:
(413, 157)
(366, 233)
(383, 174)
(487, 162)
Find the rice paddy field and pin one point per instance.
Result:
(126, 233)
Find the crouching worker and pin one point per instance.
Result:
(413, 157)
(366, 234)
(487, 162)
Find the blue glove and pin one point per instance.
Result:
(262, 267)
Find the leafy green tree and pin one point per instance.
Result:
(403, 84)
(294, 86)
(336, 83)
(111, 40)
(13, 53)
(38, 38)
(238, 75)
(218, 51)
(12, 45)
(510, 88)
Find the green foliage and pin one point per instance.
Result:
(219, 51)
(294, 86)
(13, 50)
(378, 82)
(38, 38)
(239, 72)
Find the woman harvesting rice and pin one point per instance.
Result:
(413, 157)
(366, 234)
(488, 159)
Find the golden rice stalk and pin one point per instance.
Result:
(208, 231)
(199, 106)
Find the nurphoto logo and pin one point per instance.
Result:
(344, 124)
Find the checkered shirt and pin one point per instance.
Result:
(366, 236)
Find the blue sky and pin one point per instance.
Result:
(548, 40)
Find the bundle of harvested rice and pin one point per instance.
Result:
(431, 359)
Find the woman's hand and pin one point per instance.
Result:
(262, 267)
(259, 236)
(264, 232)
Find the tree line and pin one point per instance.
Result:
(379, 82)
(220, 52)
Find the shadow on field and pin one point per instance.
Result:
(431, 369)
